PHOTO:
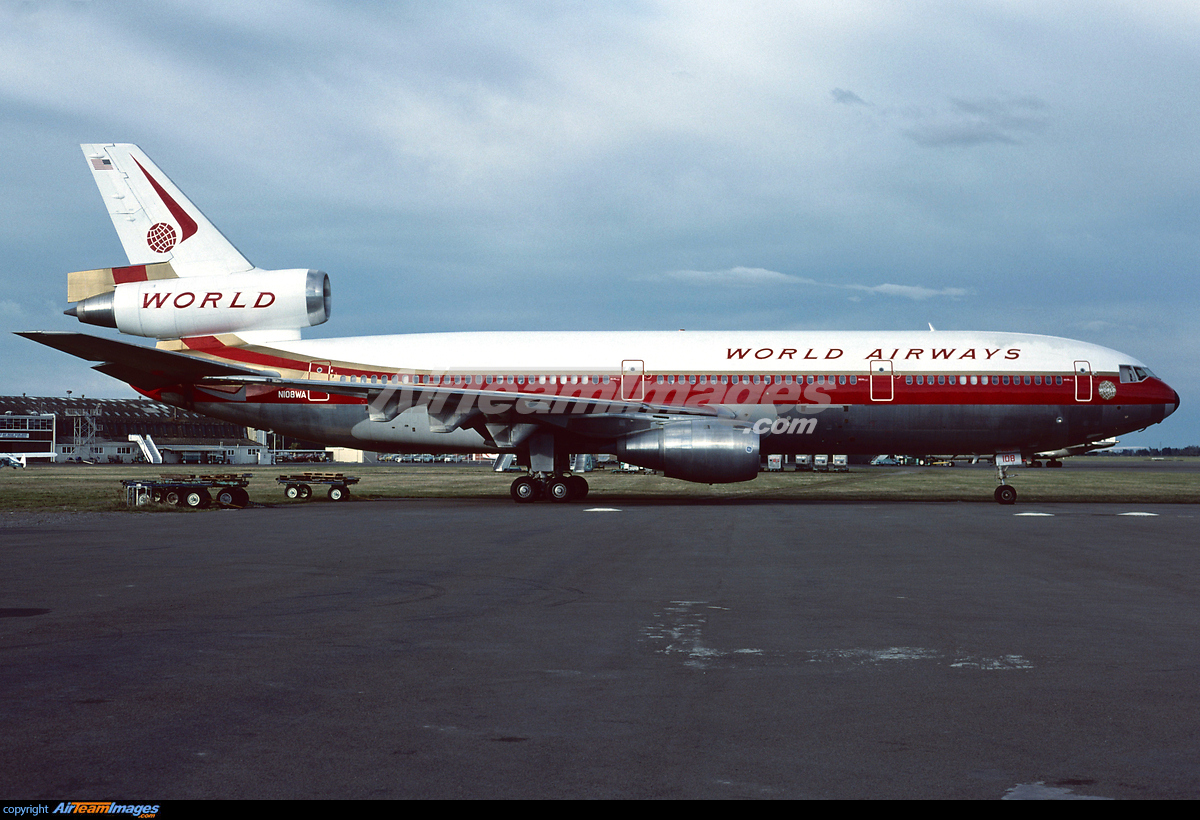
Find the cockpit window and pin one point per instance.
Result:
(1134, 373)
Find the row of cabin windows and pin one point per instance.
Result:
(830, 381)
(662, 379)
(1015, 380)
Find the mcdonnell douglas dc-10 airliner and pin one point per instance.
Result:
(698, 406)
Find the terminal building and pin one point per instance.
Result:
(121, 431)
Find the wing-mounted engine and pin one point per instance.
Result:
(150, 300)
(707, 451)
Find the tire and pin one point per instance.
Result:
(292, 491)
(1005, 494)
(559, 491)
(241, 497)
(172, 497)
(196, 499)
(225, 497)
(525, 490)
(579, 487)
(305, 491)
(338, 493)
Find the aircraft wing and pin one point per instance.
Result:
(147, 368)
(505, 418)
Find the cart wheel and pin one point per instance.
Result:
(226, 498)
(338, 492)
(196, 499)
(305, 491)
(241, 498)
(172, 497)
(292, 491)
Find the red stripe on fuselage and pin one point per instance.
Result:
(213, 345)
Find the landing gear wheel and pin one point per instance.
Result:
(525, 490)
(1005, 494)
(338, 492)
(579, 487)
(559, 490)
(292, 491)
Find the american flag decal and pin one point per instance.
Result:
(101, 164)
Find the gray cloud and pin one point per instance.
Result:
(758, 277)
(968, 123)
(847, 97)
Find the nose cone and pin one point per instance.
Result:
(1171, 408)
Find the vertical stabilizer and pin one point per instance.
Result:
(154, 220)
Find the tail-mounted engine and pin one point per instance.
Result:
(150, 300)
(706, 451)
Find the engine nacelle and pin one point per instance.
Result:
(207, 305)
(706, 451)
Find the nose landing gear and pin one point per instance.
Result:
(1005, 493)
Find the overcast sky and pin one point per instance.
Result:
(1023, 166)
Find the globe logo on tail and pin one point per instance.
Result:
(160, 237)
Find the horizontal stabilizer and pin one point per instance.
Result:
(84, 284)
(144, 367)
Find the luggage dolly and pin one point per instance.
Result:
(189, 490)
(300, 485)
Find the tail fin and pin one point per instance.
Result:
(154, 220)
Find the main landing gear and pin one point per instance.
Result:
(558, 488)
(1005, 493)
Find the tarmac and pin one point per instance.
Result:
(483, 649)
